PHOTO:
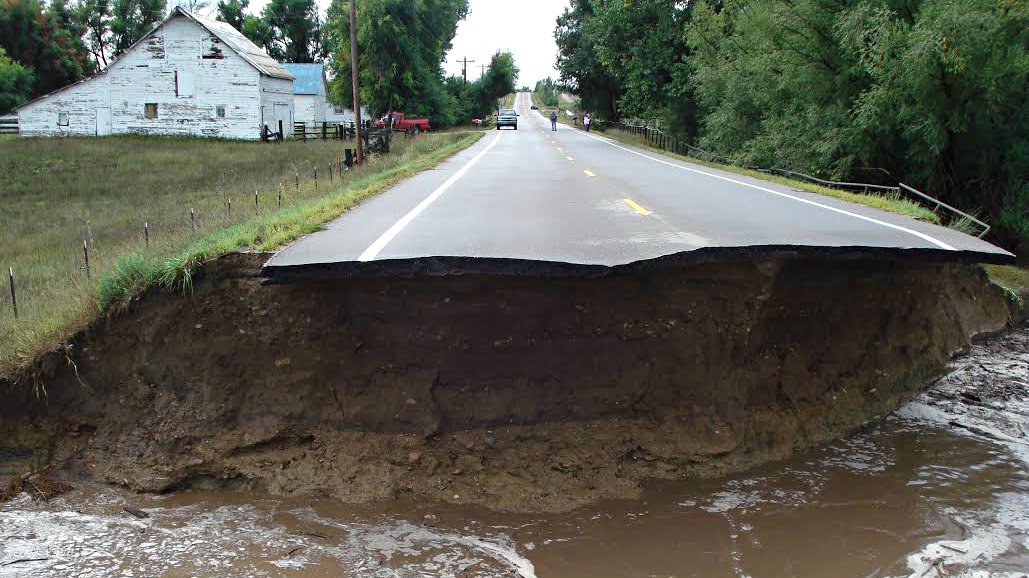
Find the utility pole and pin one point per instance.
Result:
(464, 68)
(483, 67)
(353, 78)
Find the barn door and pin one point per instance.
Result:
(283, 113)
(103, 121)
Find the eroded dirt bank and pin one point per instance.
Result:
(514, 392)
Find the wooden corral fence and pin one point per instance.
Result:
(376, 139)
(8, 125)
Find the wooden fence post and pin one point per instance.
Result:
(85, 255)
(14, 296)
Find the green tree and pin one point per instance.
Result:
(547, 92)
(933, 92)
(402, 45)
(95, 18)
(580, 66)
(15, 83)
(39, 40)
(232, 12)
(132, 19)
(294, 30)
(499, 80)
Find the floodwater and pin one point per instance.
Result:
(940, 487)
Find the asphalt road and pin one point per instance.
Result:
(567, 201)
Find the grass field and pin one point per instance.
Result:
(57, 191)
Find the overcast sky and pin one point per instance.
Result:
(526, 28)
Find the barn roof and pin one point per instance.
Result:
(307, 76)
(242, 45)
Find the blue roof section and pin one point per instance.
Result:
(307, 77)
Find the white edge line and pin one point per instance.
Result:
(918, 234)
(372, 251)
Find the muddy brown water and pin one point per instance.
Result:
(939, 487)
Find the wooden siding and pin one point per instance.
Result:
(310, 108)
(79, 101)
(277, 103)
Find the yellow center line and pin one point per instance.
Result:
(636, 207)
(589, 173)
(567, 157)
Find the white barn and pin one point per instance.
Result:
(310, 95)
(189, 76)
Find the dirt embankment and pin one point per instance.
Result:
(515, 392)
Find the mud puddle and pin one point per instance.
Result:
(939, 487)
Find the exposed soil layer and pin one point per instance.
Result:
(520, 393)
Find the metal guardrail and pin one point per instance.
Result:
(939, 204)
(664, 141)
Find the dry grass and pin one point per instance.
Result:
(58, 189)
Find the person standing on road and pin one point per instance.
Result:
(586, 120)
(553, 120)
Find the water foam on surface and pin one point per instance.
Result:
(985, 396)
(232, 540)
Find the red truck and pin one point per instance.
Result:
(400, 122)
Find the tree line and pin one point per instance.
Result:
(45, 46)
(547, 91)
(933, 92)
(402, 45)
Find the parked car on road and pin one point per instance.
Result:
(534, 107)
(507, 117)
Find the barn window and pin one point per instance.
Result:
(212, 49)
(220, 111)
(150, 110)
(62, 119)
(185, 85)
(339, 109)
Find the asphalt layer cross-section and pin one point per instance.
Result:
(568, 202)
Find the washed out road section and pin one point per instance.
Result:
(569, 202)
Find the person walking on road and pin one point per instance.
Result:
(553, 120)
(586, 120)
